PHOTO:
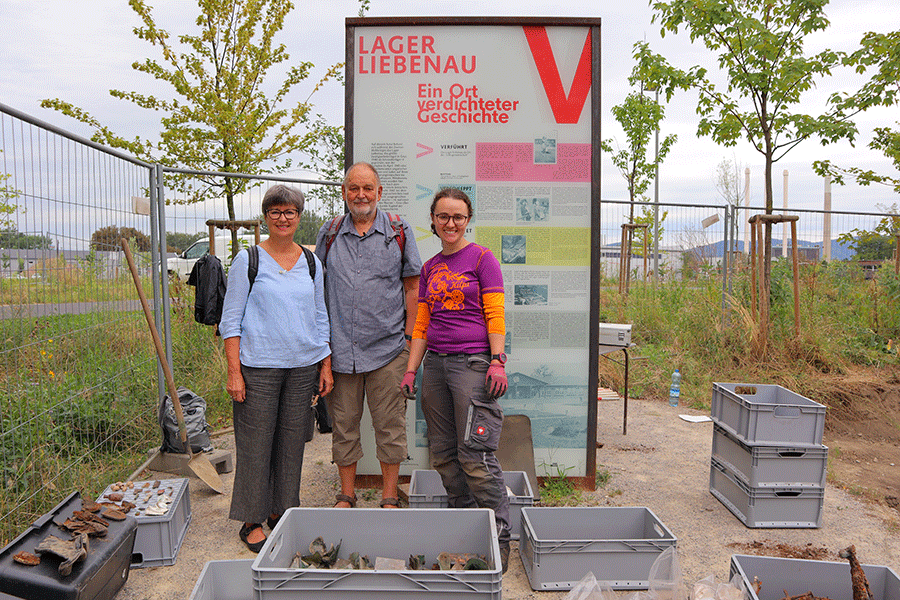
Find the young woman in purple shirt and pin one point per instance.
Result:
(460, 333)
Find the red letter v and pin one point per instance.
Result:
(565, 110)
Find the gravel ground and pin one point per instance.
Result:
(662, 463)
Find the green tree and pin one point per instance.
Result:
(225, 117)
(759, 46)
(108, 238)
(179, 242)
(12, 238)
(325, 157)
(878, 244)
(639, 117)
(646, 234)
(310, 223)
(881, 51)
(871, 246)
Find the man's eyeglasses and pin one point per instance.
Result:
(442, 218)
(289, 214)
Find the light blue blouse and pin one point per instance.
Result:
(283, 322)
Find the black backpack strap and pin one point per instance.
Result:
(311, 261)
(252, 265)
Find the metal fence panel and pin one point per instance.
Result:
(77, 392)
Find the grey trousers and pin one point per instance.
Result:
(271, 428)
(463, 432)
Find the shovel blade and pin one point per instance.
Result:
(202, 468)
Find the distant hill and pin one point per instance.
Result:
(838, 250)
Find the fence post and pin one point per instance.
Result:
(154, 270)
(164, 272)
(726, 250)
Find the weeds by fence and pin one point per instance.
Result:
(79, 381)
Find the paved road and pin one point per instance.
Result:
(27, 311)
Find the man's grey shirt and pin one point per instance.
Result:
(364, 292)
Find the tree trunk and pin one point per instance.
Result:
(766, 275)
(229, 201)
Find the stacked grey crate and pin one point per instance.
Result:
(768, 462)
(426, 490)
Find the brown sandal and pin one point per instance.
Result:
(351, 500)
(390, 502)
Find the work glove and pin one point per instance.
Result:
(408, 385)
(495, 381)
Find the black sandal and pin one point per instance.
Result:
(272, 522)
(244, 534)
(351, 500)
(395, 502)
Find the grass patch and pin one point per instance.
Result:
(557, 489)
(603, 477)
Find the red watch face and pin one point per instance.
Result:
(501, 357)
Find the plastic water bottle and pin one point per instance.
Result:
(675, 389)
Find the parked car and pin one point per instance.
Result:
(181, 265)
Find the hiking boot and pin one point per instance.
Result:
(504, 557)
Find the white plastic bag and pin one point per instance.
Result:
(708, 589)
(588, 589)
(705, 589)
(733, 590)
(665, 576)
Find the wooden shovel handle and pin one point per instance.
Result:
(160, 353)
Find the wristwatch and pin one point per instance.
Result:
(501, 357)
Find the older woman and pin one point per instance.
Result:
(460, 322)
(276, 338)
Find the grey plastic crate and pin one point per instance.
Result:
(158, 537)
(618, 544)
(225, 580)
(376, 532)
(792, 576)
(767, 414)
(770, 466)
(774, 507)
(427, 491)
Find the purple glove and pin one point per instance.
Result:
(408, 385)
(495, 382)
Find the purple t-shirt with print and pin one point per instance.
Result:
(452, 285)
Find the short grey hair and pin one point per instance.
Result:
(279, 195)
(362, 164)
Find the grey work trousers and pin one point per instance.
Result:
(463, 432)
(271, 428)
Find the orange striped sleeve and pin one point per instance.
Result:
(423, 317)
(492, 304)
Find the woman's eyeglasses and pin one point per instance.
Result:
(289, 214)
(443, 218)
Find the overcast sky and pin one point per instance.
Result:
(76, 51)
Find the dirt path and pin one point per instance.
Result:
(663, 464)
